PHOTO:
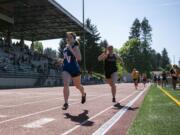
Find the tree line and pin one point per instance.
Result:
(136, 52)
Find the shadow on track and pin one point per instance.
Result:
(118, 106)
(82, 118)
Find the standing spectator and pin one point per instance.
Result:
(164, 79)
(155, 79)
(174, 76)
(159, 79)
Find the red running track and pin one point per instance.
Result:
(37, 111)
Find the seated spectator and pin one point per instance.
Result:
(1, 41)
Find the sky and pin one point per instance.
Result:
(114, 18)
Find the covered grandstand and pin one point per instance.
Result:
(31, 20)
(37, 19)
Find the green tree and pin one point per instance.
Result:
(165, 62)
(62, 45)
(130, 54)
(38, 46)
(92, 49)
(135, 29)
(49, 52)
(103, 43)
(146, 31)
(136, 55)
(136, 52)
(153, 59)
(158, 60)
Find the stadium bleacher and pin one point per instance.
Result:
(32, 20)
(18, 61)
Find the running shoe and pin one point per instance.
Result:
(83, 100)
(65, 106)
(113, 99)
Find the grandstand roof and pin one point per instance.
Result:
(37, 19)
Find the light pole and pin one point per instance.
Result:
(84, 49)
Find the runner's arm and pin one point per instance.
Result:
(76, 52)
(103, 56)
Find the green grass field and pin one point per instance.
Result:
(174, 93)
(158, 115)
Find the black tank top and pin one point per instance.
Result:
(110, 65)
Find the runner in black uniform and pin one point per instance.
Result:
(110, 68)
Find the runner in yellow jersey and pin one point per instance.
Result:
(135, 77)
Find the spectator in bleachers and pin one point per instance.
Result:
(1, 41)
(21, 58)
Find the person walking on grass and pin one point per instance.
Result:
(174, 76)
(155, 79)
(164, 79)
(159, 79)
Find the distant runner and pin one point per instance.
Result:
(135, 77)
(144, 79)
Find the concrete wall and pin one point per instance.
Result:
(16, 82)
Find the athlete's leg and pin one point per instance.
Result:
(164, 83)
(77, 84)
(135, 83)
(114, 77)
(66, 81)
(113, 87)
(144, 83)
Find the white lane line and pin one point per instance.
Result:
(28, 103)
(106, 126)
(38, 123)
(28, 93)
(47, 110)
(80, 95)
(98, 114)
(20, 97)
(3, 116)
(2, 94)
(38, 96)
(9, 106)
(3, 106)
